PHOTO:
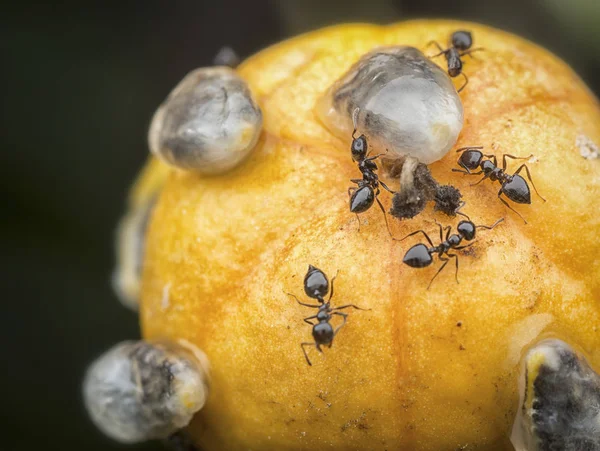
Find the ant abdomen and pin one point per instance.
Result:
(418, 256)
(362, 199)
(323, 333)
(462, 40)
(517, 190)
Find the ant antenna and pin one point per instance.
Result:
(458, 212)
(354, 119)
(490, 227)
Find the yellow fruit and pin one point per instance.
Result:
(422, 370)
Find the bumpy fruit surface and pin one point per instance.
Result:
(423, 370)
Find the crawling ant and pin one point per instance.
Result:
(316, 287)
(420, 256)
(513, 186)
(367, 191)
(460, 45)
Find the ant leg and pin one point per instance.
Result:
(351, 191)
(514, 158)
(386, 187)
(445, 260)
(384, 215)
(447, 229)
(414, 233)
(357, 181)
(464, 247)
(343, 315)
(466, 81)
(331, 292)
(458, 212)
(375, 157)
(455, 257)
(304, 350)
(466, 171)
(306, 320)
(468, 52)
(302, 303)
(350, 305)
(484, 177)
(442, 51)
(506, 203)
(490, 227)
(529, 177)
(441, 231)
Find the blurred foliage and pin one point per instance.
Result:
(298, 16)
(579, 20)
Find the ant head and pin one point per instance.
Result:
(316, 284)
(466, 229)
(462, 40)
(470, 159)
(359, 147)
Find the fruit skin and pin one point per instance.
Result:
(404, 375)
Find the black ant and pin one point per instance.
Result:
(367, 191)
(513, 186)
(420, 256)
(316, 287)
(460, 45)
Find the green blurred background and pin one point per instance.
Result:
(81, 80)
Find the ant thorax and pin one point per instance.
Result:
(323, 315)
(454, 240)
